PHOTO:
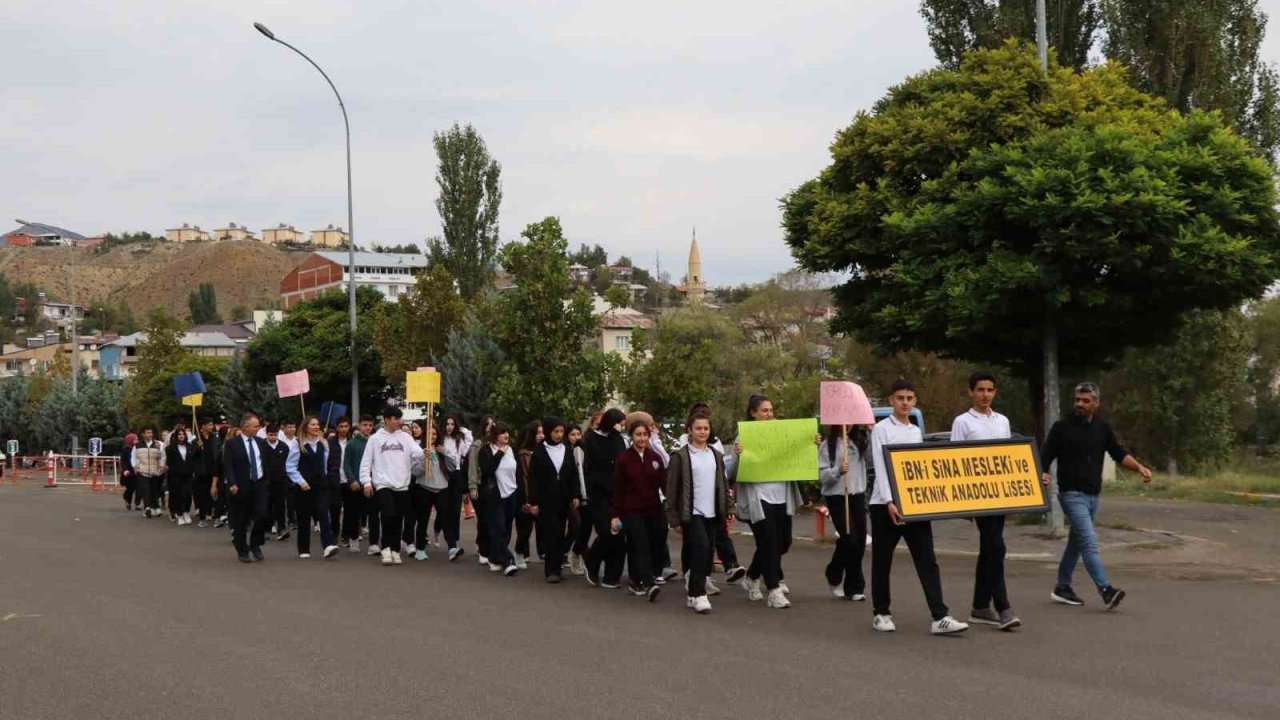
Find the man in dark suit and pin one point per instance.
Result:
(243, 464)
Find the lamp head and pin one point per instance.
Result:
(264, 30)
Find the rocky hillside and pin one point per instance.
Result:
(149, 275)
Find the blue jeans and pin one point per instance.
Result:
(1080, 508)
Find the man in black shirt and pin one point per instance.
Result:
(1078, 444)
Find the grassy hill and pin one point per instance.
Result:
(156, 274)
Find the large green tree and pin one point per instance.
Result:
(203, 304)
(315, 336)
(148, 398)
(470, 193)
(1174, 406)
(1201, 55)
(546, 329)
(470, 367)
(414, 330)
(957, 27)
(982, 209)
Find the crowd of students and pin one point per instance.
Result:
(597, 499)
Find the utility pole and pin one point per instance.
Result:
(75, 345)
(1052, 404)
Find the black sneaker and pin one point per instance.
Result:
(245, 559)
(593, 577)
(638, 590)
(1111, 596)
(984, 616)
(257, 554)
(734, 574)
(653, 592)
(1065, 595)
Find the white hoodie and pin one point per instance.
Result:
(388, 460)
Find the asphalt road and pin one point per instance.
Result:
(106, 615)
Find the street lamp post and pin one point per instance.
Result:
(351, 229)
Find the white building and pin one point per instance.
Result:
(391, 274)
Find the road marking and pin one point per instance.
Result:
(16, 616)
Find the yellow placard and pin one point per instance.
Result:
(422, 386)
(942, 480)
(194, 401)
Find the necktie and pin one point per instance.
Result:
(253, 462)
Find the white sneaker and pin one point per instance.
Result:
(353, 546)
(304, 556)
(186, 518)
(778, 599)
(669, 573)
(883, 623)
(483, 560)
(711, 588)
(947, 626)
(420, 555)
(410, 549)
(837, 590)
(700, 604)
(858, 597)
(375, 549)
(575, 564)
(521, 563)
(386, 556)
(782, 585)
(752, 587)
(455, 553)
(493, 567)
(330, 552)
(395, 558)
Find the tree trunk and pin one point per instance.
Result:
(1052, 407)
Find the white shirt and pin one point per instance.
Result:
(974, 425)
(506, 472)
(556, 452)
(888, 432)
(684, 440)
(702, 469)
(342, 460)
(774, 493)
(182, 450)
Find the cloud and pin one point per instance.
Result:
(631, 121)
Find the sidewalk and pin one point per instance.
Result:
(1175, 539)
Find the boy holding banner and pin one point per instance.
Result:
(980, 422)
(888, 527)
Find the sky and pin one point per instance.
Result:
(632, 122)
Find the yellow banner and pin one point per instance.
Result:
(941, 480)
(193, 400)
(422, 386)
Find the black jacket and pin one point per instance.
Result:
(549, 488)
(273, 463)
(489, 462)
(599, 454)
(235, 461)
(210, 457)
(180, 468)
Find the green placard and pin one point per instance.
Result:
(778, 451)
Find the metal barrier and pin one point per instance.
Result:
(100, 473)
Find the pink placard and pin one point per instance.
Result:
(845, 403)
(294, 383)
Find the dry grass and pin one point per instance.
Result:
(1244, 482)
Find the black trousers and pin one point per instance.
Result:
(291, 503)
(582, 539)
(773, 540)
(482, 524)
(152, 489)
(353, 502)
(551, 531)
(200, 493)
(335, 508)
(451, 524)
(422, 502)
(279, 492)
(373, 518)
(393, 506)
(249, 521)
(524, 528)
(179, 495)
(607, 549)
(845, 567)
(645, 535)
(988, 581)
(220, 503)
(500, 513)
(312, 505)
(884, 540)
(130, 483)
(696, 551)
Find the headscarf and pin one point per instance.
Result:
(549, 424)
